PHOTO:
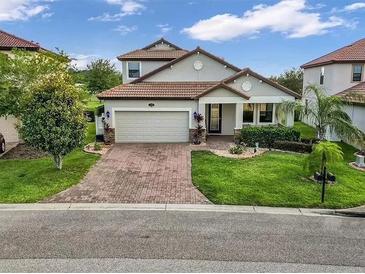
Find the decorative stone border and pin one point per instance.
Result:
(89, 148)
(247, 154)
(353, 165)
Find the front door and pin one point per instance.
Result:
(215, 118)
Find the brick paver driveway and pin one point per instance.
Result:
(138, 173)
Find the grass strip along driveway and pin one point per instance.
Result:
(25, 181)
(275, 179)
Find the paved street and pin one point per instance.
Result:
(178, 241)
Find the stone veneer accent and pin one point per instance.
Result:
(236, 133)
(191, 133)
(109, 136)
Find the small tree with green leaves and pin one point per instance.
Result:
(101, 75)
(20, 71)
(326, 113)
(52, 120)
(323, 153)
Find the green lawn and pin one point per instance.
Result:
(306, 132)
(25, 181)
(92, 103)
(274, 179)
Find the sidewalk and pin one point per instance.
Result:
(351, 212)
(356, 211)
(168, 207)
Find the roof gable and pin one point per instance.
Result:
(161, 41)
(249, 72)
(354, 52)
(198, 50)
(9, 41)
(225, 87)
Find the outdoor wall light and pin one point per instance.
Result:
(108, 114)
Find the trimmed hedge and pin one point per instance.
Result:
(266, 136)
(293, 146)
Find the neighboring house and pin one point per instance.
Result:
(8, 42)
(341, 73)
(165, 85)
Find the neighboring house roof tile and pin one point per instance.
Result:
(157, 90)
(9, 41)
(355, 94)
(188, 54)
(246, 71)
(142, 55)
(354, 52)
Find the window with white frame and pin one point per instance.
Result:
(134, 69)
(266, 113)
(357, 72)
(321, 77)
(248, 113)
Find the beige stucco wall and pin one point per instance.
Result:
(228, 119)
(184, 71)
(146, 67)
(337, 77)
(8, 128)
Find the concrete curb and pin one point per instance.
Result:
(167, 207)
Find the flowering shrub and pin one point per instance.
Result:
(198, 131)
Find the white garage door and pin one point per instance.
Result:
(151, 127)
(8, 129)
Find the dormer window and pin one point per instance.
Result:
(357, 73)
(134, 70)
(321, 77)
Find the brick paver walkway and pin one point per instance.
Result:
(138, 173)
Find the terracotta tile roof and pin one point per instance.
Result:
(157, 90)
(355, 94)
(161, 41)
(351, 53)
(142, 54)
(188, 54)
(9, 41)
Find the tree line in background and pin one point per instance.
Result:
(291, 79)
(99, 75)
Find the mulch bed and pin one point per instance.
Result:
(23, 152)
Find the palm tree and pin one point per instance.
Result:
(325, 112)
(323, 153)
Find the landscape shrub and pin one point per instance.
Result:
(266, 136)
(293, 146)
(237, 149)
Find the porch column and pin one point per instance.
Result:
(239, 119)
(201, 110)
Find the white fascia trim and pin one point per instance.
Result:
(119, 109)
(270, 99)
(222, 100)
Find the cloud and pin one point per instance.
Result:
(289, 17)
(21, 10)
(355, 6)
(80, 61)
(164, 28)
(123, 30)
(127, 7)
(47, 14)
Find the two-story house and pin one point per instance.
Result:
(165, 85)
(341, 73)
(8, 42)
